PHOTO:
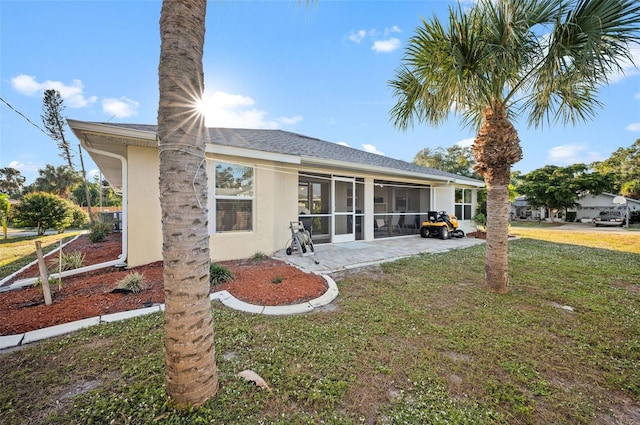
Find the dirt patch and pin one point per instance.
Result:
(268, 282)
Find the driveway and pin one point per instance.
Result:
(588, 227)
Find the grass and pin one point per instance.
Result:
(20, 251)
(627, 242)
(418, 341)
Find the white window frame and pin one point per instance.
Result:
(463, 204)
(217, 197)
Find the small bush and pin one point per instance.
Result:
(277, 279)
(80, 218)
(70, 261)
(259, 257)
(219, 274)
(99, 232)
(133, 282)
(480, 221)
(52, 281)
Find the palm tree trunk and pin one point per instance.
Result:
(190, 368)
(496, 148)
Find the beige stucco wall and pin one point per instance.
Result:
(275, 205)
(144, 239)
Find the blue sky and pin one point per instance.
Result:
(320, 70)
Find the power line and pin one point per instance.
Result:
(23, 116)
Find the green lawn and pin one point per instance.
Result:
(629, 241)
(17, 252)
(417, 341)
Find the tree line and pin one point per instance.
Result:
(553, 187)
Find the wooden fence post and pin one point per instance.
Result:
(43, 274)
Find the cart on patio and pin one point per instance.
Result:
(300, 239)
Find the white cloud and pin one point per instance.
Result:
(25, 168)
(386, 46)
(290, 120)
(633, 127)
(465, 142)
(627, 67)
(91, 174)
(343, 144)
(120, 108)
(357, 36)
(391, 30)
(371, 148)
(573, 153)
(237, 111)
(72, 94)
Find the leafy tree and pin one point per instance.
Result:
(190, 367)
(108, 198)
(11, 182)
(5, 209)
(59, 180)
(454, 159)
(558, 188)
(43, 211)
(495, 61)
(624, 164)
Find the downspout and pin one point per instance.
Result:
(120, 261)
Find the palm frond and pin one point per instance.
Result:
(587, 45)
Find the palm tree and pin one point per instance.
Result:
(190, 368)
(543, 60)
(60, 180)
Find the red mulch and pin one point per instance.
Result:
(269, 282)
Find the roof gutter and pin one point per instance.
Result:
(93, 127)
(386, 170)
(117, 262)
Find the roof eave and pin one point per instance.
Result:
(386, 170)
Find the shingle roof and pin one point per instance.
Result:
(285, 142)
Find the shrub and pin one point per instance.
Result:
(219, 274)
(133, 282)
(277, 279)
(52, 281)
(70, 261)
(259, 257)
(80, 218)
(43, 211)
(480, 221)
(99, 231)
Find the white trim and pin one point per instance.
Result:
(343, 237)
(251, 153)
(395, 172)
(113, 130)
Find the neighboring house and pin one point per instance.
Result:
(590, 207)
(521, 210)
(261, 180)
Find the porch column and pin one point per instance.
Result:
(367, 224)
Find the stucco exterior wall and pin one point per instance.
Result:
(144, 241)
(275, 205)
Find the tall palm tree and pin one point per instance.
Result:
(191, 375)
(543, 60)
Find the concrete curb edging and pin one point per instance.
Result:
(10, 341)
